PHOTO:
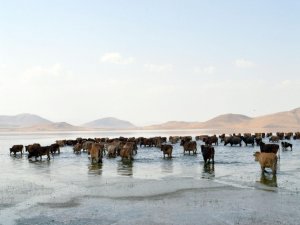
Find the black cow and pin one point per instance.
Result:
(208, 153)
(269, 148)
(233, 140)
(54, 148)
(15, 149)
(285, 145)
(248, 140)
(39, 152)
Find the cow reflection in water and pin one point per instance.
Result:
(125, 168)
(268, 180)
(167, 166)
(95, 169)
(208, 171)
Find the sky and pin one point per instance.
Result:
(148, 61)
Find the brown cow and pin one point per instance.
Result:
(274, 139)
(77, 148)
(127, 151)
(31, 148)
(190, 146)
(174, 139)
(87, 146)
(61, 143)
(167, 150)
(96, 153)
(15, 149)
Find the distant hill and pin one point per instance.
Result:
(61, 126)
(282, 120)
(225, 121)
(288, 119)
(22, 120)
(109, 123)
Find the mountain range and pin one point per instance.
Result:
(288, 120)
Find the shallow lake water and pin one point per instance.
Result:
(69, 190)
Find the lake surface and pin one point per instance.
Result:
(69, 190)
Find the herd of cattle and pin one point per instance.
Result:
(126, 148)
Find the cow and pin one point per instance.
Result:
(209, 140)
(77, 148)
(61, 143)
(222, 137)
(274, 139)
(208, 153)
(167, 150)
(87, 146)
(185, 139)
(96, 153)
(266, 160)
(269, 148)
(248, 140)
(15, 149)
(288, 135)
(190, 146)
(54, 148)
(147, 142)
(280, 135)
(201, 137)
(285, 145)
(127, 151)
(114, 148)
(258, 140)
(31, 148)
(296, 136)
(39, 151)
(174, 139)
(233, 140)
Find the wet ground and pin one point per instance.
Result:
(150, 190)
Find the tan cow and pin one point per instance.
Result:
(266, 160)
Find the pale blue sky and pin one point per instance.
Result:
(148, 61)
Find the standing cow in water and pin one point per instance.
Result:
(208, 153)
(286, 145)
(16, 148)
(96, 153)
(167, 150)
(127, 151)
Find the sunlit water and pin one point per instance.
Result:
(234, 166)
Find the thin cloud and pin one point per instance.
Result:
(205, 70)
(116, 58)
(243, 63)
(159, 68)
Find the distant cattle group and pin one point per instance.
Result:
(127, 148)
